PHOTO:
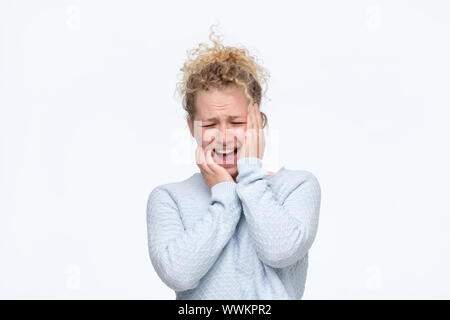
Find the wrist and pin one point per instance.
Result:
(249, 168)
(248, 163)
(226, 193)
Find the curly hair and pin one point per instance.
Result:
(220, 67)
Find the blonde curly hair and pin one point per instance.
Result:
(221, 67)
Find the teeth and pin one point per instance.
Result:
(224, 151)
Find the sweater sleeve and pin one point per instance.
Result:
(181, 257)
(282, 232)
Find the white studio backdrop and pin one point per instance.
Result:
(89, 125)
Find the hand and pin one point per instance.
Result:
(254, 141)
(212, 172)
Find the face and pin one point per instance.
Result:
(221, 113)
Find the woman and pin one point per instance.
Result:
(232, 230)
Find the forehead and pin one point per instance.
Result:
(221, 103)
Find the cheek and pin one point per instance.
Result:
(240, 135)
(207, 135)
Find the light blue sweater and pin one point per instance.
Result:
(247, 239)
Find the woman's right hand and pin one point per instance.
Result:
(212, 172)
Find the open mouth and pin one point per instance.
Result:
(225, 157)
(224, 152)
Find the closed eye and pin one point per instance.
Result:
(210, 125)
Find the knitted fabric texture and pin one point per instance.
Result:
(240, 240)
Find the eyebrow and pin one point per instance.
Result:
(229, 117)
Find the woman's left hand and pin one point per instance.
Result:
(254, 142)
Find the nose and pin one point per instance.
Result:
(228, 136)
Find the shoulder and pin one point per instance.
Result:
(175, 190)
(299, 188)
(304, 175)
(292, 179)
(162, 198)
(299, 174)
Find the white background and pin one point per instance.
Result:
(89, 125)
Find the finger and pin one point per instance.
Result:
(197, 155)
(241, 151)
(235, 139)
(255, 131)
(250, 118)
(209, 162)
(209, 159)
(210, 142)
(261, 143)
(212, 165)
(248, 132)
(255, 121)
(260, 133)
(258, 117)
(209, 147)
(201, 160)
